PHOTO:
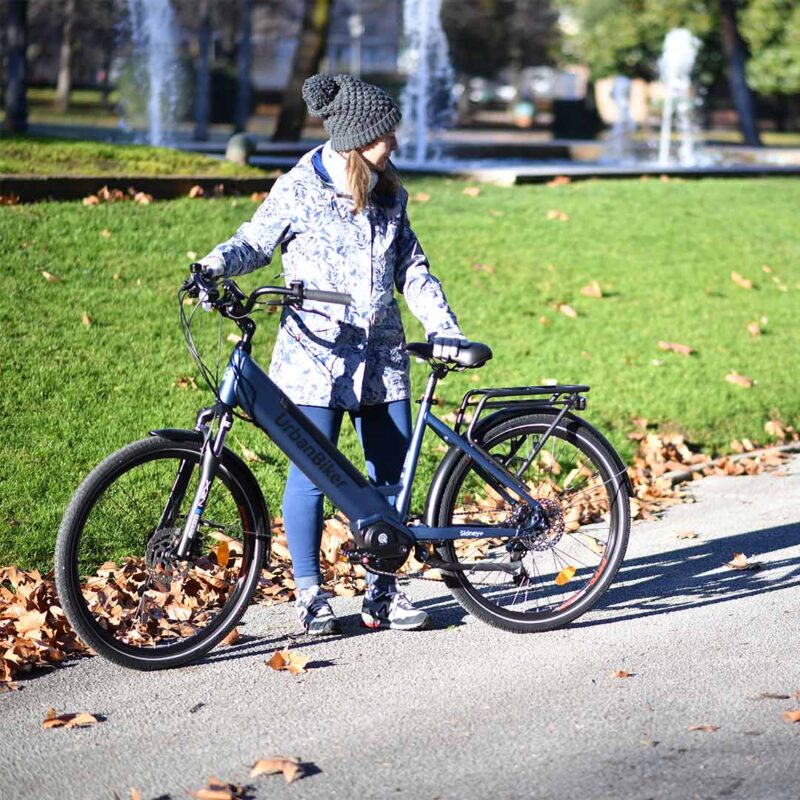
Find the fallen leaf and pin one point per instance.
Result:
(704, 728)
(250, 455)
(222, 554)
(687, 534)
(191, 255)
(219, 790)
(560, 216)
(135, 794)
(231, 638)
(9, 199)
(105, 233)
(567, 310)
(483, 268)
(559, 180)
(621, 673)
(741, 562)
(543, 320)
(116, 276)
(86, 319)
(472, 191)
(196, 191)
(565, 576)
(289, 766)
(766, 268)
(259, 197)
(675, 347)
(754, 329)
(421, 197)
(592, 289)
(91, 200)
(774, 428)
(79, 720)
(142, 198)
(739, 380)
(792, 716)
(740, 280)
(186, 382)
(284, 660)
(49, 277)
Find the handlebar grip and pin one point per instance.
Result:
(327, 297)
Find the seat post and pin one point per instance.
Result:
(403, 497)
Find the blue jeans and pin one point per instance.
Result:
(384, 432)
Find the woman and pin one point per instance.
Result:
(339, 217)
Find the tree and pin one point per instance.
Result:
(740, 91)
(17, 74)
(202, 96)
(64, 82)
(307, 56)
(244, 62)
(771, 29)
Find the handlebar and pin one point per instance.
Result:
(233, 298)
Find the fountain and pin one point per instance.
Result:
(427, 99)
(152, 69)
(675, 67)
(619, 145)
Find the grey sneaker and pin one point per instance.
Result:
(394, 611)
(314, 612)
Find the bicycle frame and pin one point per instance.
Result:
(244, 384)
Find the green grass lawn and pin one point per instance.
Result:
(663, 253)
(25, 155)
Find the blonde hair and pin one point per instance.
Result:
(359, 175)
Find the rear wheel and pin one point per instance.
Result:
(121, 585)
(556, 573)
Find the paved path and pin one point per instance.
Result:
(466, 711)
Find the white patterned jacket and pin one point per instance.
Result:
(356, 355)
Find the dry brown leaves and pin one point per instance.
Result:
(621, 673)
(80, 720)
(740, 280)
(106, 195)
(559, 180)
(49, 277)
(471, 191)
(557, 215)
(290, 766)
(219, 790)
(741, 562)
(9, 199)
(592, 289)
(659, 454)
(33, 629)
(675, 347)
(284, 660)
(706, 728)
(739, 380)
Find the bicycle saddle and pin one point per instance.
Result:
(470, 354)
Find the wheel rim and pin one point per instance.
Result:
(561, 570)
(136, 597)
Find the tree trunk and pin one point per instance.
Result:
(310, 48)
(244, 60)
(740, 92)
(202, 94)
(17, 77)
(64, 83)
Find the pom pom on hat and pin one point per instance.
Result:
(319, 92)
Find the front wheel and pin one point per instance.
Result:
(123, 589)
(555, 573)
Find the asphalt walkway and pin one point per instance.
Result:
(467, 711)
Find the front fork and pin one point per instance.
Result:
(210, 455)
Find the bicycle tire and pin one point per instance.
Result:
(604, 494)
(97, 518)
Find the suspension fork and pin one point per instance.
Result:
(210, 456)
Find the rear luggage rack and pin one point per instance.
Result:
(568, 396)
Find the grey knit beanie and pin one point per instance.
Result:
(353, 112)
